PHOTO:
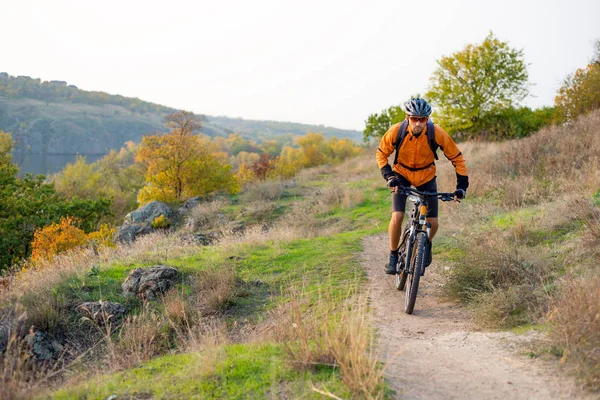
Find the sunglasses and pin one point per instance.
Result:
(418, 119)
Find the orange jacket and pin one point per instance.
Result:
(415, 153)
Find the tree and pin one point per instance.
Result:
(179, 164)
(479, 79)
(29, 203)
(580, 92)
(80, 179)
(378, 124)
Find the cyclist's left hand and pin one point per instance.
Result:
(459, 194)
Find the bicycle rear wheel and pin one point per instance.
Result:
(417, 262)
(401, 280)
(402, 275)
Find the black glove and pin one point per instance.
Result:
(460, 194)
(394, 181)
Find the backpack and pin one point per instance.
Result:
(430, 138)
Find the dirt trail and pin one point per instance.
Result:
(436, 354)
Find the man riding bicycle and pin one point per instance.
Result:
(415, 141)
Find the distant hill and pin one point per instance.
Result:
(56, 118)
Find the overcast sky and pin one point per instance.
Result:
(319, 62)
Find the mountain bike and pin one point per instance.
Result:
(413, 244)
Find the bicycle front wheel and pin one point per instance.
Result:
(417, 264)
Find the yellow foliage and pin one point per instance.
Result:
(161, 222)
(580, 92)
(80, 179)
(288, 163)
(104, 237)
(245, 174)
(180, 166)
(57, 238)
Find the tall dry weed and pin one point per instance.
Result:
(206, 216)
(213, 289)
(340, 337)
(575, 320)
(140, 338)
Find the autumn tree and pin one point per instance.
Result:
(580, 92)
(179, 164)
(80, 179)
(479, 79)
(262, 167)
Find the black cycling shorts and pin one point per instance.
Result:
(399, 200)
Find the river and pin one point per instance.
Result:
(47, 164)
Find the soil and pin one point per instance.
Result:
(438, 353)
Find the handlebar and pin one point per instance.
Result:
(440, 195)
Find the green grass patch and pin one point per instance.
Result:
(240, 371)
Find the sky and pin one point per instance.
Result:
(318, 62)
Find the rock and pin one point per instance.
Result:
(43, 347)
(102, 312)
(149, 282)
(189, 204)
(128, 233)
(148, 213)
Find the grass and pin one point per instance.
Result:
(230, 291)
(525, 241)
(240, 371)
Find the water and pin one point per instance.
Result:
(47, 164)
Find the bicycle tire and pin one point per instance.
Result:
(401, 280)
(402, 275)
(417, 265)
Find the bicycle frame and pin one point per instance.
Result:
(418, 220)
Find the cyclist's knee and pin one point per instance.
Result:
(397, 217)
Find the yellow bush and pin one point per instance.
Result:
(57, 238)
(104, 237)
(161, 222)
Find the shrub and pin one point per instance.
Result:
(57, 238)
(161, 222)
(103, 237)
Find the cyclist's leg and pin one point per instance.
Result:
(432, 214)
(432, 205)
(398, 208)
(395, 229)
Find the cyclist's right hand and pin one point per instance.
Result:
(394, 183)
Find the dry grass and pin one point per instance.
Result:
(140, 338)
(213, 289)
(266, 191)
(153, 248)
(575, 319)
(205, 216)
(321, 334)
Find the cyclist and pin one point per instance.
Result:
(415, 166)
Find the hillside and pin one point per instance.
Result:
(286, 292)
(57, 118)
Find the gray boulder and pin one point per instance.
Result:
(43, 347)
(128, 233)
(149, 283)
(102, 312)
(148, 213)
